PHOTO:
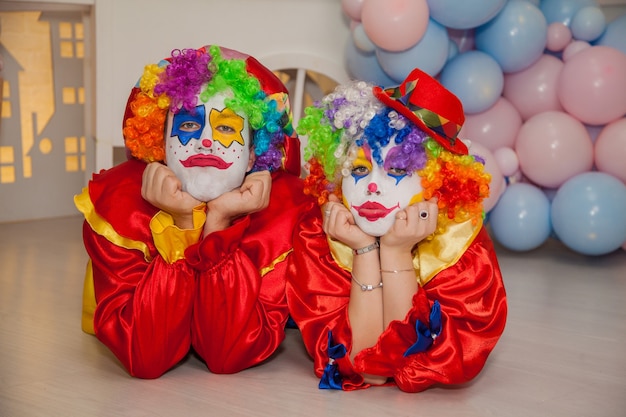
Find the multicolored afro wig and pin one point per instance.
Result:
(354, 115)
(179, 80)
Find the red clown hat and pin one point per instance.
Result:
(428, 104)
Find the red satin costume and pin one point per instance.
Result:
(225, 298)
(473, 314)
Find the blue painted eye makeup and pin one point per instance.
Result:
(397, 174)
(189, 125)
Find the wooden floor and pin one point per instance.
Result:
(563, 352)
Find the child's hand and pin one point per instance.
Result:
(412, 225)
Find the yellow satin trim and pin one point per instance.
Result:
(276, 261)
(172, 241)
(89, 301)
(431, 257)
(445, 249)
(103, 228)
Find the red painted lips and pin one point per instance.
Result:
(205, 161)
(373, 211)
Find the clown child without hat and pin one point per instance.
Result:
(175, 82)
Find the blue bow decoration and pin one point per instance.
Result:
(331, 379)
(426, 334)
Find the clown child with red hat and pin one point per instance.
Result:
(189, 240)
(398, 283)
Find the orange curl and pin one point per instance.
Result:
(460, 185)
(143, 132)
(316, 184)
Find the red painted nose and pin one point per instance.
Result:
(207, 143)
(372, 187)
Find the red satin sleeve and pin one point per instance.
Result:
(473, 308)
(143, 309)
(239, 316)
(240, 307)
(318, 293)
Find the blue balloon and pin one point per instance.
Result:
(615, 34)
(588, 24)
(453, 50)
(475, 78)
(365, 67)
(521, 219)
(429, 54)
(516, 37)
(361, 40)
(563, 11)
(589, 213)
(457, 14)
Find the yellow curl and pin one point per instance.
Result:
(150, 78)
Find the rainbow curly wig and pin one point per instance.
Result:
(178, 81)
(351, 117)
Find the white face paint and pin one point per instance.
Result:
(374, 193)
(208, 149)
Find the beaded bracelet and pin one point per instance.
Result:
(367, 287)
(366, 249)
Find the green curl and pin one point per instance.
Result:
(322, 140)
(248, 95)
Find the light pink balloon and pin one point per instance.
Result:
(573, 48)
(497, 183)
(495, 127)
(552, 147)
(534, 89)
(507, 161)
(559, 36)
(352, 8)
(395, 25)
(610, 149)
(592, 85)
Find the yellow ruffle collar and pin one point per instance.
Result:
(431, 257)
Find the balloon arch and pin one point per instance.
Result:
(543, 85)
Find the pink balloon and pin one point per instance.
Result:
(559, 36)
(552, 147)
(573, 48)
(592, 85)
(495, 127)
(352, 8)
(497, 183)
(395, 25)
(610, 149)
(534, 89)
(507, 161)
